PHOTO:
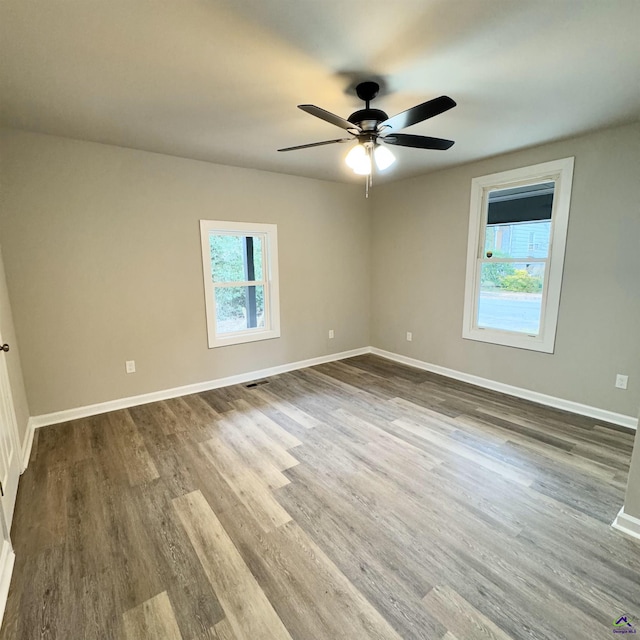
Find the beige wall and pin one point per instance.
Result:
(102, 259)
(419, 248)
(8, 335)
(102, 254)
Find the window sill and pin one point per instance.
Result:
(240, 338)
(509, 339)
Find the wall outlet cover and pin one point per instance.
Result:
(621, 381)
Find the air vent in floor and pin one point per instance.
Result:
(251, 385)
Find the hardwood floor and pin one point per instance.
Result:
(358, 499)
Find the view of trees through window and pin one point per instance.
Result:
(237, 271)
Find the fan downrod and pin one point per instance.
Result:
(367, 119)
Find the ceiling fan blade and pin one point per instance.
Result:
(327, 116)
(316, 144)
(418, 113)
(419, 142)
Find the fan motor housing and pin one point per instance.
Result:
(368, 119)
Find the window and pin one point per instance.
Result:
(517, 233)
(240, 266)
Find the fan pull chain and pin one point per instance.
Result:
(369, 178)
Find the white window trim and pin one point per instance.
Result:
(269, 232)
(560, 171)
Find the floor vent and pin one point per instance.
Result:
(251, 385)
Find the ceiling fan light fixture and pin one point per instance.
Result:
(383, 157)
(370, 128)
(363, 168)
(355, 155)
(359, 160)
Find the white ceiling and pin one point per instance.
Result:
(219, 80)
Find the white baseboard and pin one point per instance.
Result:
(123, 403)
(57, 417)
(630, 422)
(7, 559)
(27, 444)
(627, 524)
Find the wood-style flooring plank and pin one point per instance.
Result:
(224, 631)
(154, 619)
(279, 435)
(257, 430)
(288, 409)
(462, 451)
(132, 450)
(196, 607)
(235, 433)
(460, 617)
(247, 609)
(245, 482)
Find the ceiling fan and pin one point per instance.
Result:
(374, 129)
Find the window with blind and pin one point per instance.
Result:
(517, 233)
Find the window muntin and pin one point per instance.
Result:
(517, 234)
(240, 278)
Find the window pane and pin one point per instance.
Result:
(239, 308)
(235, 258)
(511, 296)
(519, 221)
(522, 240)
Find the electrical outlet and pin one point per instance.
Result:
(331, 334)
(409, 336)
(130, 366)
(621, 381)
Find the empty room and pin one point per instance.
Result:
(319, 320)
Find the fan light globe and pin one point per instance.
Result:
(355, 156)
(363, 168)
(358, 159)
(383, 157)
